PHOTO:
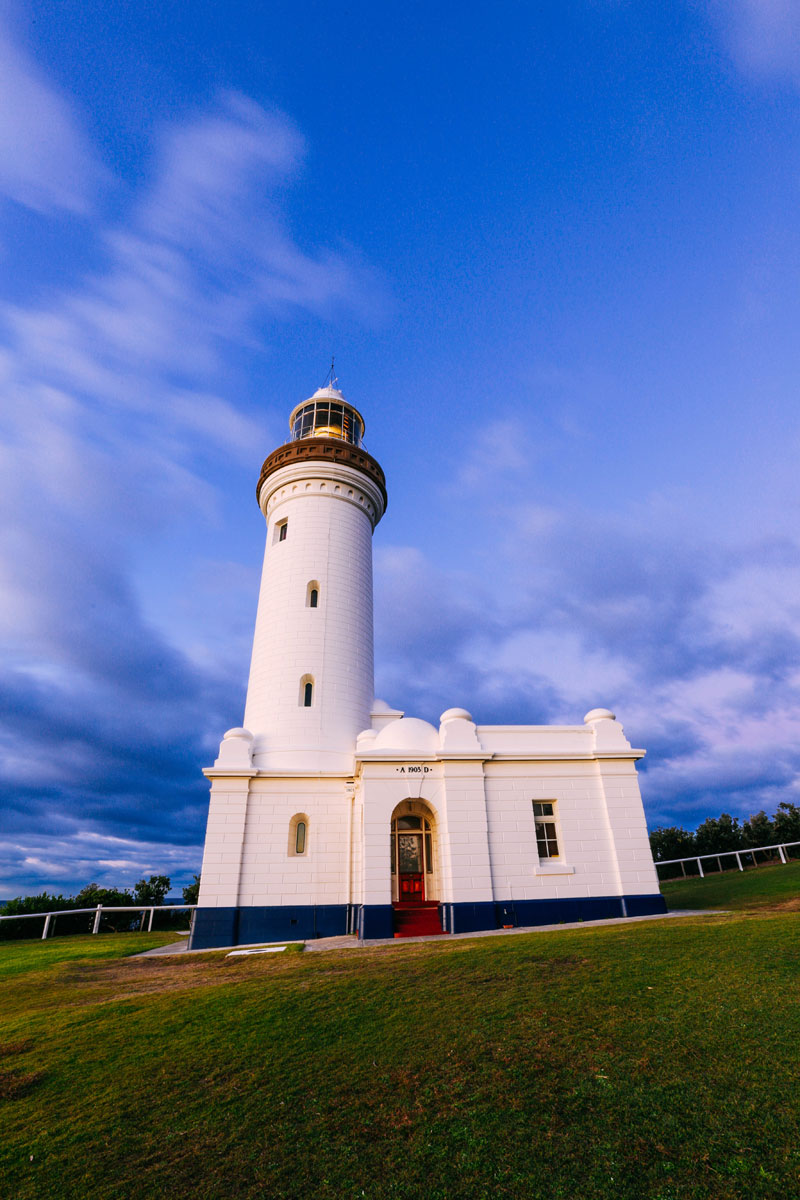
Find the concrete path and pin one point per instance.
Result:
(480, 933)
(351, 942)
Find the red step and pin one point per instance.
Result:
(416, 920)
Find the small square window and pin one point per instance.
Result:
(282, 530)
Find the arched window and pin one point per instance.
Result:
(312, 594)
(298, 836)
(306, 691)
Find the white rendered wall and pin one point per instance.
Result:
(225, 839)
(270, 873)
(587, 864)
(330, 512)
(249, 857)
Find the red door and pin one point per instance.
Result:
(411, 877)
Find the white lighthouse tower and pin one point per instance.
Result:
(333, 813)
(311, 677)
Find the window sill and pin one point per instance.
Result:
(554, 868)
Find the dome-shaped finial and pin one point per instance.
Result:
(327, 414)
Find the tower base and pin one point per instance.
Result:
(214, 928)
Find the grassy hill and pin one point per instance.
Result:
(774, 887)
(653, 1061)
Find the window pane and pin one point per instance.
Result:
(300, 838)
(409, 823)
(307, 692)
(428, 853)
(394, 857)
(314, 597)
(409, 847)
(336, 419)
(323, 417)
(546, 839)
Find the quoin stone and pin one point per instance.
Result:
(332, 812)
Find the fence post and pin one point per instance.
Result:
(97, 915)
(739, 861)
(683, 868)
(46, 927)
(700, 869)
(782, 854)
(150, 924)
(719, 864)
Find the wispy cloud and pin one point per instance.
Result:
(115, 395)
(762, 36)
(694, 643)
(46, 162)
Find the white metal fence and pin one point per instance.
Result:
(737, 854)
(99, 910)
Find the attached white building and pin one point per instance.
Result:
(331, 812)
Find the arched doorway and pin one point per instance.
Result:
(413, 854)
(415, 893)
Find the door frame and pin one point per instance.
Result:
(422, 825)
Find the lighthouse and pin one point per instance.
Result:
(332, 813)
(311, 682)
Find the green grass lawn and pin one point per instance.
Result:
(653, 1061)
(772, 887)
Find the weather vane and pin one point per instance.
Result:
(331, 380)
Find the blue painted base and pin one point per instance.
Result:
(469, 918)
(242, 926)
(215, 927)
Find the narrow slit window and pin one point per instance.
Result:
(312, 594)
(308, 694)
(298, 835)
(544, 814)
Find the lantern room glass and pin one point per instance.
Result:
(326, 418)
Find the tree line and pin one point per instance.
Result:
(718, 834)
(146, 893)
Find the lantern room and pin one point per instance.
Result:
(327, 414)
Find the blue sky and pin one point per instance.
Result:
(555, 250)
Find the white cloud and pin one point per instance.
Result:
(762, 36)
(57, 864)
(46, 162)
(692, 640)
(117, 422)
